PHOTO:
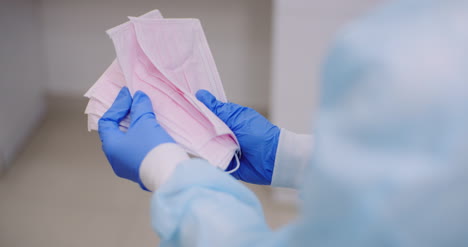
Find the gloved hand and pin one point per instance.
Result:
(126, 151)
(258, 138)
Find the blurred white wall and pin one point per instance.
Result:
(302, 30)
(78, 50)
(21, 75)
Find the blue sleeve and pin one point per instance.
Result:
(203, 206)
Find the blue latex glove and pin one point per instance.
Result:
(126, 150)
(258, 138)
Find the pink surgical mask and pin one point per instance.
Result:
(169, 60)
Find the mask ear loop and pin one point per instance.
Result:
(238, 163)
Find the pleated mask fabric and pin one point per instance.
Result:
(169, 60)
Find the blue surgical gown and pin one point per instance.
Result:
(390, 165)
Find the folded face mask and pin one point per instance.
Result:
(169, 60)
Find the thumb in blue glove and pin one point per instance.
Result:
(258, 138)
(126, 151)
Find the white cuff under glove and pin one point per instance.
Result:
(160, 163)
(293, 154)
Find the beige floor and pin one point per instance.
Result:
(61, 192)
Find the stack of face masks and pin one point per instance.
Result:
(169, 60)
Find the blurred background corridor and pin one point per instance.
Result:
(56, 187)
